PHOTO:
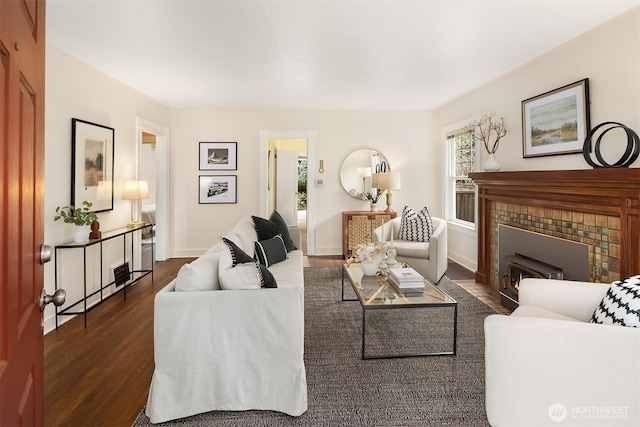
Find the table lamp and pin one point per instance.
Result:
(135, 190)
(388, 182)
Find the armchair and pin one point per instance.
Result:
(427, 258)
(546, 363)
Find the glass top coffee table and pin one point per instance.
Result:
(380, 293)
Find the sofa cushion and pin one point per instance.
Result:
(199, 275)
(271, 251)
(621, 304)
(416, 227)
(268, 228)
(237, 270)
(243, 234)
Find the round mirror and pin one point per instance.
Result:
(358, 169)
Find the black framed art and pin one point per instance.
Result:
(218, 189)
(556, 122)
(92, 164)
(218, 156)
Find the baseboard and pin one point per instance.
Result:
(467, 263)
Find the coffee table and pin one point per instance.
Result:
(380, 293)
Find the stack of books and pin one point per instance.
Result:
(406, 278)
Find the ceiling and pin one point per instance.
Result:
(349, 54)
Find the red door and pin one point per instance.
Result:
(22, 52)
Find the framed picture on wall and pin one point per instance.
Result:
(218, 189)
(92, 164)
(556, 122)
(218, 156)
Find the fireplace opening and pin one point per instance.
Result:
(521, 267)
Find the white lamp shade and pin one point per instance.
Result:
(135, 190)
(364, 172)
(388, 181)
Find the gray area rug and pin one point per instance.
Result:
(344, 390)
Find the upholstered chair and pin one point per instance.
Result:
(547, 365)
(427, 258)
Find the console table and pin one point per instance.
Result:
(126, 234)
(358, 226)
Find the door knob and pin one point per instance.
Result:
(45, 254)
(58, 298)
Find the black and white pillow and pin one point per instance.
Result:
(416, 227)
(621, 304)
(268, 228)
(271, 251)
(237, 270)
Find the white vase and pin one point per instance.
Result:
(82, 234)
(491, 164)
(374, 207)
(369, 268)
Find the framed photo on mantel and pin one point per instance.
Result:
(92, 164)
(556, 122)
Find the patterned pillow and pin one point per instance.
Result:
(271, 251)
(237, 270)
(415, 227)
(621, 304)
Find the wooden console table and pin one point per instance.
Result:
(134, 275)
(358, 226)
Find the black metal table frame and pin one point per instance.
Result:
(144, 272)
(365, 308)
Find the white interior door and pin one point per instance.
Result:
(287, 186)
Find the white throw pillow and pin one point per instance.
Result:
(199, 275)
(621, 304)
(243, 234)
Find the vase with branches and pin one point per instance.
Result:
(490, 129)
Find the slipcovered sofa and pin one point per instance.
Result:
(224, 342)
(546, 364)
(427, 258)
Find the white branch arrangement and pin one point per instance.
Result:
(487, 125)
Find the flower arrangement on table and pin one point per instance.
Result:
(369, 252)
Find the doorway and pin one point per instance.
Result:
(153, 167)
(287, 143)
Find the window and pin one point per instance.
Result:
(461, 195)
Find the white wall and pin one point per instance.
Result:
(76, 90)
(608, 55)
(404, 137)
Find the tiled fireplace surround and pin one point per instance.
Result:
(600, 208)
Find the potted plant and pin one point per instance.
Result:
(490, 130)
(81, 217)
(373, 198)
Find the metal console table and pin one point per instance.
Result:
(107, 235)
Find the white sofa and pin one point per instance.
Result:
(547, 365)
(427, 258)
(228, 349)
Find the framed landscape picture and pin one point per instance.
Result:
(218, 156)
(556, 122)
(92, 164)
(218, 189)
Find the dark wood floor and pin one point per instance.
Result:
(100, 376)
